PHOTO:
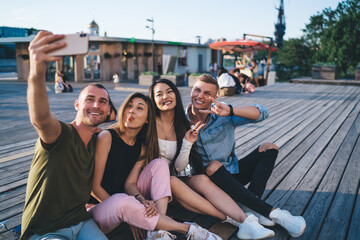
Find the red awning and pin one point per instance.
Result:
(245, 45)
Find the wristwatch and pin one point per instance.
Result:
(231, 110)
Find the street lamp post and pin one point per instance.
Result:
(152, 40)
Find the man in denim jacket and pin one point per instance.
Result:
(216, 145)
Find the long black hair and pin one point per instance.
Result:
(181, 125)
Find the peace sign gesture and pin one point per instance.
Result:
(192, 134)
(218, 108)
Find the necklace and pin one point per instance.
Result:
(169, 132)
(163, 132)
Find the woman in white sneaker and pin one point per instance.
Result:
(126, 160)
(188, 181)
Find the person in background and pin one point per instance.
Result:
(68, 87)
(116, 79)
(255, 71)
(226, 83)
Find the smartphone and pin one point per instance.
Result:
(77, 43)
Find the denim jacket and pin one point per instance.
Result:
(216, 141)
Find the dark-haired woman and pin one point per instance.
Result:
(176, 140)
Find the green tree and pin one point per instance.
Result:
(294, 59)
(334, 35)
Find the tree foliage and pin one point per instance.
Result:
(335, 34)
(294, 59)
(330, 36)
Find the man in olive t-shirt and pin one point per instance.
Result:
(61, 173)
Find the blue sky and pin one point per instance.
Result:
(174, 20)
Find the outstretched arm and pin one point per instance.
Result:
(223, 110)
(45, 123)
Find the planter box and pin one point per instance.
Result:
(324, 72)
(357, 73)
(147, 80)
(192, 80)
(178, 80)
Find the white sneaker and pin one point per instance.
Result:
(198, 233)
(160, 234)
(262, 220)
(295, 225)
(251, 229)
(231, 221)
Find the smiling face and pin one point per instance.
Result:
(92, 106)
(200, 94)
(135, 113)
(164, 96)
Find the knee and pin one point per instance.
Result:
(213, 167)
(202, 179)
(160, 163)
(267, 146)
(174, 181)
(122, 201)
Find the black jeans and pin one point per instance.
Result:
(255, 169)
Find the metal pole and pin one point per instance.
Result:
(152, 41)
(152, 45)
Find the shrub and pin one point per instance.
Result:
(149, 73)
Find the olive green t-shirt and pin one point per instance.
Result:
(59, 184)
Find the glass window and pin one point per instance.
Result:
(96, 66)
(182, 56)
(87, 67)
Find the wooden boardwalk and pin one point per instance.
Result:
(317, 173)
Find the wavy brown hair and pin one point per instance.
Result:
(148, 134)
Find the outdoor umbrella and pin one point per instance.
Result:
(244, 46)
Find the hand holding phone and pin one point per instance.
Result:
(76, 44)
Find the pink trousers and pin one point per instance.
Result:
(153, 184)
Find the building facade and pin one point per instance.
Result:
(128, 57)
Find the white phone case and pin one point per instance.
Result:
(77, 43)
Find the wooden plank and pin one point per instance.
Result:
(13, 193)
(307, 151)
(337, 220)
(320, 203)
(12, 211)
(242, 150)
(14, 170)
(18, 155)
(13, 185)
(14, 178)
(12, 222)
(354, 232)
(298, 199)
(13, 202)
(295, 148)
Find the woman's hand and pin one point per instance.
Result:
(138, 233)
(150, 207)
(192, 134)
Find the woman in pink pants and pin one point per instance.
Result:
(129, 186)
